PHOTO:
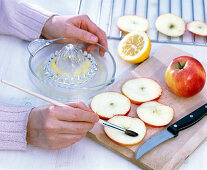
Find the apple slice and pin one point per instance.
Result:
(108, 104)
(141, 90)
(198, 28)
(129, 123)
(155, 114)
(170, 25)
(129, 23)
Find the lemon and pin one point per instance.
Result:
(134, 47)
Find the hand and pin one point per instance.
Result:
(75, 28)
(53, 127)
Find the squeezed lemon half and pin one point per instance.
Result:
(134, 47)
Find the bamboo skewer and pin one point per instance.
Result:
(56, 103)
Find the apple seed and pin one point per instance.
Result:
(155, 111)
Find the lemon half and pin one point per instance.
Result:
(134, 47)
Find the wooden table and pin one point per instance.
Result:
(85, 154)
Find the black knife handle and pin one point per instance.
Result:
(188, 120)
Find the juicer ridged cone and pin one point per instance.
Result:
(70, 67)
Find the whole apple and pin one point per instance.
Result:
(185, 76)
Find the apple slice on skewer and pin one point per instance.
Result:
(129, 23)
(170, 25)
(155, 114)
(141, 90)
(129, 123)
(198, 28)
(109, 104)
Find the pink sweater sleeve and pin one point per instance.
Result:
(25, 21)
(22, 19)
(13, 123)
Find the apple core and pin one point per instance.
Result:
(172, 26)
(142, 88)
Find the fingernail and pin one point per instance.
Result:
(96, 118)
(93, 38)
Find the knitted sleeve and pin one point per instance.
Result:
(13, 123)
(25, 21)
(22, 19)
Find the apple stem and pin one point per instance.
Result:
(180, 66)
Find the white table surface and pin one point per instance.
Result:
(85, 154)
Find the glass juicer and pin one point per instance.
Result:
(66, 72)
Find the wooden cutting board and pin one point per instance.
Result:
(172, 153)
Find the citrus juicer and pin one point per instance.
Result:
(66, 72)
(70, 66)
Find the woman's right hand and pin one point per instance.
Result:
(54, 127)
(77, 28)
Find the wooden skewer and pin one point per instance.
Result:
(56, 103)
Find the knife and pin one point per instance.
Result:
(173, 130)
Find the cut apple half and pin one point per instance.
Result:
(128, 123)
(198, 28)
(129, 23)
(141, 90)
(170, 25)
(109, 104)
(155, 114)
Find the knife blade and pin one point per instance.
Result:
(173, 130)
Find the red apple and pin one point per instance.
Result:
(185, 76)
